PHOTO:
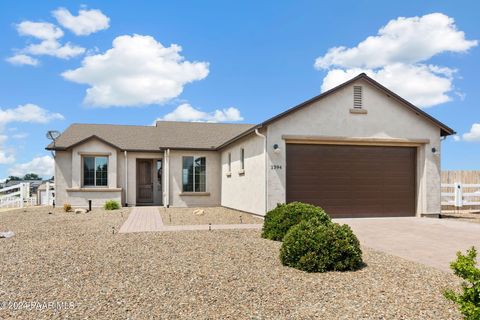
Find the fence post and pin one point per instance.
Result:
(22, 194)
(458, 195)
(47, 194)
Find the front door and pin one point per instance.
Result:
(144, 181)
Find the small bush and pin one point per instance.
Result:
(67, 207)
(313, 246)
(111, 205)
(279, 220)
(468, 300)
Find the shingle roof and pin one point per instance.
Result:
(444, 129)
(200, 135)
(166, 134)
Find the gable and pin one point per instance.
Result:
(334, 115)
(362, 79)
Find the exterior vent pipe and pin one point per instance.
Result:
(265, 165)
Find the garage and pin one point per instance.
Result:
(353, 180)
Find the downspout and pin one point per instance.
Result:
(126, 178)
(265, 165)
(166, 192)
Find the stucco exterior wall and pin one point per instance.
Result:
(245, 191)
(213, 188)
(386, 118)
(63, 176)
(68, 176)
(80, 199)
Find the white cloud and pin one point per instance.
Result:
(49, 34)
(419, 84)
(30, 113)
(56, 49)
(5, 157)
(403, 40)
(85, 23)
(43, 166)
(456, 137)
(396, 55)
(22, 135)
(27, 113)
(39, 30)
(474, 134)
(136, 71)
(22, 59)
(185, 112)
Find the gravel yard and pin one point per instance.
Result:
(216, 275)
(213, 215)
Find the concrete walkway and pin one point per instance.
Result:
(429, 241)
(144, 219)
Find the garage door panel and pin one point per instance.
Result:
(353, 181)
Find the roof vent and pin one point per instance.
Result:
(357, 97)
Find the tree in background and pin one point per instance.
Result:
(13, 178)
(32, 176)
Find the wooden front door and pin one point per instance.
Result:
(144, 181)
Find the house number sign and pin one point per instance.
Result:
(276, 167)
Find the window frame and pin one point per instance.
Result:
(242, 158)
(229, 161)
(193, 174)
(94, 156)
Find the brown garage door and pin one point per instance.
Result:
(353, 181)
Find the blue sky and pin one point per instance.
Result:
(244, 62)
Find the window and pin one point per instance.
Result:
(95, 171)
(357, 97)
(194, 174)
(229, 162)
(242, 159)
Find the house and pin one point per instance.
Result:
(33, 184)
(357, 150)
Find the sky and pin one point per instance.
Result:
(125, 62)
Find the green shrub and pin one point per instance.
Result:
(284, 216)
(468, 300)
(314, 246)
(111, 205)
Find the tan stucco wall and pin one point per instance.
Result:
(244, 191)
(213, 179)
(63, 176)
(386, 118)
(68, 175)
(80, 199)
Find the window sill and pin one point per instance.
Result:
(241, 172)
(94, 189)
(228, 174)
(201, 194)
(358, 111)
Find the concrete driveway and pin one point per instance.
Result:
(433, 242)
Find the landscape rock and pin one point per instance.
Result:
(226, 274)
(199, 212)
(7, 234)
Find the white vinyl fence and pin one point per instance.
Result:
(460, 195)
(16, 196)
(47, 196)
